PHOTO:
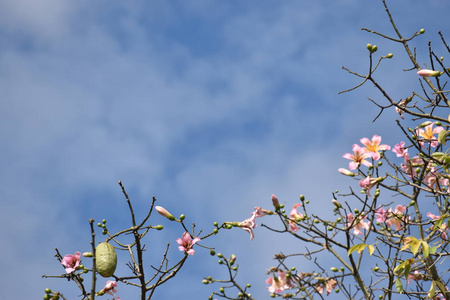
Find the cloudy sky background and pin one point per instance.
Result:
(211, 106)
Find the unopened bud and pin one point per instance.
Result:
(336, 203)
(346, 172)
(163, 212)
(88, 254)
(232, 259)
(429, 73)
(275, 201)
(389, 55)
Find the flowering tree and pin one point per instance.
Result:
(378, 247)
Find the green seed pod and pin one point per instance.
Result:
(106, 259)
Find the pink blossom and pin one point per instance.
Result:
(329, 285)
(110, 289)
(435, 180)
(410, 164)
(427, 134)
(359, 157)
(429, 73)
(373, 147)
(249, 224)
(280, 283)
(393, 218)
(71, 262)
(433, 216)
(443, 229)
(397, 217)
(358, 224)
(416, 275)
(400, 149)
(294, 217)
(368, 183)
(186, 243)
(381, 215)
(402, 105)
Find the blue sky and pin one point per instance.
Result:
(211, 106)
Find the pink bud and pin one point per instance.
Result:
(275, 201)
(163, 212)
(429, 73)
(346, 172)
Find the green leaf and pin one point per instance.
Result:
(425, 249)
(399, 286)
(438, 155)
(357, 247)
(442, 137)
(440, 286)
(432, 291)
(371, 249)
(415, 245)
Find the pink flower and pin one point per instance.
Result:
(163, 212)
(71, 262)
(357, 224)
(359, 157)
(368, 183)
(435, 180)
(381, 215)
(394, 218)
(400, 149)
(295, 217)
(397, 217)
(186, 243)
(402, 105)
(429, 73)
(433, 216)
(443, 229)
(427, 134)
(373, 147)
(329, 285)
(416, 275)
(279, 284)
(410, 164)
(110, 289)
(249, 224)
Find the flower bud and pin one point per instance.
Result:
(336, 203)
(159, 227)
(232, 259)
(422, 31)
(389, 55)
(163, 212)
(275, 201)
(88, 254)
(346, 172)
(429, 73)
